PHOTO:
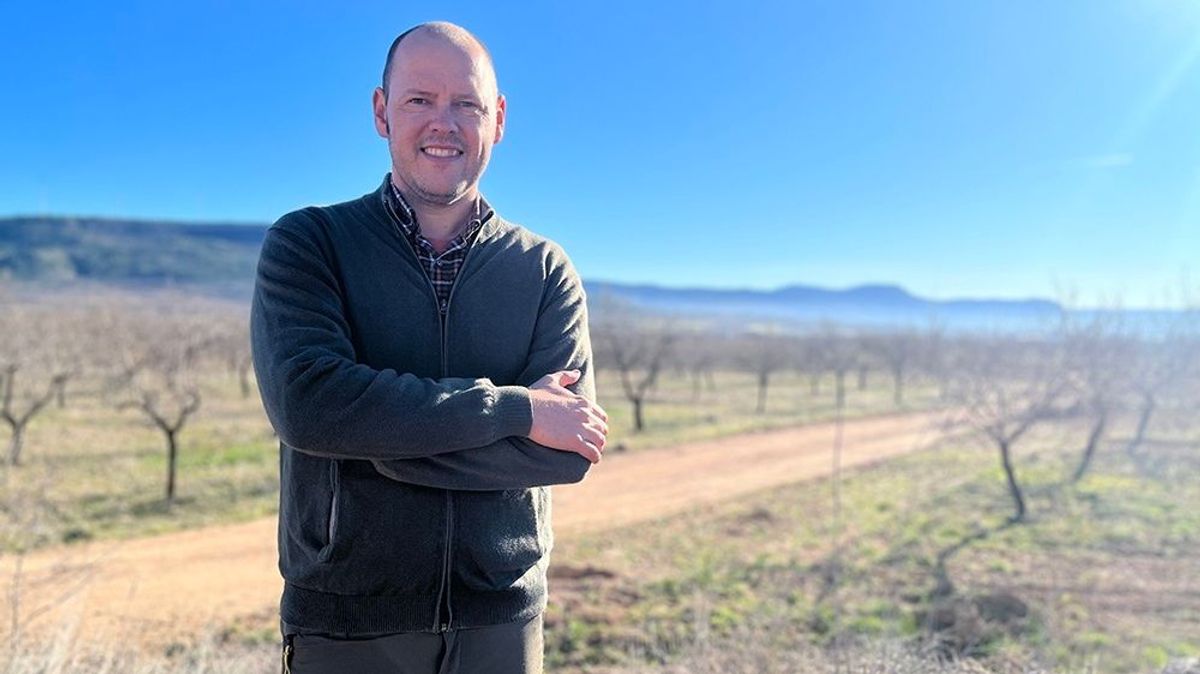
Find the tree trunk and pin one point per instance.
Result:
(898, 387)
(862, 378)
(18, 442)
(697, 380)
(1148, 404)
(763, 382)
(638, 422)
(1013, 487)
(840, 390)
(814, 384)
(60, 395)
(1090, 450)
(172, 452)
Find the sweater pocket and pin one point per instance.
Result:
(501, 536)
(326, 554)
(306, 496)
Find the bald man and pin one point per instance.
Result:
(426, 364)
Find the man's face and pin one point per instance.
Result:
(441, 116)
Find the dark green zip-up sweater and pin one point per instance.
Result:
(410, 499)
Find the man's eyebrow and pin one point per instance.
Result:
(419, 92)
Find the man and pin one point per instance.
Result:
(427, 367)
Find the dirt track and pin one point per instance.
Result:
(155, 589)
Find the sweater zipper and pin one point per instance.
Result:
(444, 317)
(443, 602)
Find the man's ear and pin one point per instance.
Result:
(500, 113)
(379, 106)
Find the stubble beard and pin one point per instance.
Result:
(432, 198)
(411, 181)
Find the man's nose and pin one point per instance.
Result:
(443, 119)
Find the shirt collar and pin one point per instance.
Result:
(395, 204)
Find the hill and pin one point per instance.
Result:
(57, 251)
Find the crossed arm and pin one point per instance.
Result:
(453, 433)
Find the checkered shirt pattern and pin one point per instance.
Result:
(442, 268)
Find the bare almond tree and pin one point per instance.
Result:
(1159, 369)
(935, 358)
(1095, 361)
(637, 345)
(696, 354)
(27, 381)
(897, 350)
(841, 353)
(232, 344)
(866, 358)
(763, 355)
(1007, 386)
(810, 361)
(164, 387)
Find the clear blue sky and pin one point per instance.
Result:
(983, 148)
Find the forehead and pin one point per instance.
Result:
(433, 63)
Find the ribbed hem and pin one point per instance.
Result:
(355, 615)
(520, 602)
(311, 612)
(512, 411)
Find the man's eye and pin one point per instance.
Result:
(417, 100)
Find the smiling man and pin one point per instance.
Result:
(427, 367)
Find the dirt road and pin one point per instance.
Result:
(153, 590)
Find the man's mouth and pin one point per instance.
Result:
(441, 152)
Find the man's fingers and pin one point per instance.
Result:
(565, 377)
(598, 424)
(592, 408)
(587, 449)
(594, 437)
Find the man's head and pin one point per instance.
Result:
(440, 110)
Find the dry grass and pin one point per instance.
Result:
(1103, 574)
(65, 656)
(1106, 569)
(676, 413)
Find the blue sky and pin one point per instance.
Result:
(960, 149)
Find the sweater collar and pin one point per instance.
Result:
(403, 215)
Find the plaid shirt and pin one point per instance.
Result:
(441, 269)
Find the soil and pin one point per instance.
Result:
(162, 590)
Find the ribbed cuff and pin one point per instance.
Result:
(512, 411)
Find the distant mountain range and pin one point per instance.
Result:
(56, 251)
(866, 306)
(219, 259)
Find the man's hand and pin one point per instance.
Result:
(564, 420)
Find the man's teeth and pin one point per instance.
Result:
(441, 152)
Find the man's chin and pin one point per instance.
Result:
(442, 197)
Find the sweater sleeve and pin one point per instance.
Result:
(322, 402)
(560, 342)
